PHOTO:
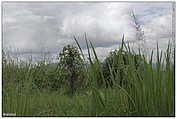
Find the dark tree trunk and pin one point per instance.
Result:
(72, 83)
(72, 75)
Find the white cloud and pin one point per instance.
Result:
(107, 25)
(51, 26)
(159, 29)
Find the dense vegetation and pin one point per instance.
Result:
(124, 84)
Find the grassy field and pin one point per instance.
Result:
(124, 86)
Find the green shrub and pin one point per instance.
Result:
(119, 61)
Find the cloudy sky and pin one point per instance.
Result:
(49, 26)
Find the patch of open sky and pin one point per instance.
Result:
(151, 12)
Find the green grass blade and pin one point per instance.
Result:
(88, 48)
(93, 49)
(79, 47)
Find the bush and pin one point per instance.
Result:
(117, 63)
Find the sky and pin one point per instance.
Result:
(49, 26)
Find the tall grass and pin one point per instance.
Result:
(148, 91)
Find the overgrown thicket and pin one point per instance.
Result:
(124, 84)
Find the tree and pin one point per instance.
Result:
(71, 65)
